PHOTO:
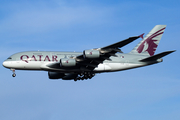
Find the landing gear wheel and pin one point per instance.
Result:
(75, 79)
(14, 75)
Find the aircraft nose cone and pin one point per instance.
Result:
(6, 64)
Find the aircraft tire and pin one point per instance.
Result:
(14, 75)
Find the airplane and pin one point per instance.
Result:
(85, 65)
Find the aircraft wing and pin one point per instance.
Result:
(106, 52)
(88, 64)
(121, 43)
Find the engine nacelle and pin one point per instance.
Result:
(91, 54)
(66, 62)
(55, 75)
(70, 76)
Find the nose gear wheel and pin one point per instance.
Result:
(14, 74)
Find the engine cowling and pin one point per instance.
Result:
(70, 76)
(64, 76)
(91, 54)
(66, 62)
(55, 75)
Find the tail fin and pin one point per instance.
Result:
(149, 44)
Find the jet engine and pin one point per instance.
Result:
(64, 76)
(55, 75)
(91, 54)
(70, 76)
(66, 62)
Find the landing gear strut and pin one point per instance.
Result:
(14, 74)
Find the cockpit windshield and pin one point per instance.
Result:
(9, 58)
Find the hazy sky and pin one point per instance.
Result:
(148, 93)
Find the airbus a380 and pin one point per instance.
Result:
(79, 66)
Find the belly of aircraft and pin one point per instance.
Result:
(33, 65)
(110, 67)
(105, 67)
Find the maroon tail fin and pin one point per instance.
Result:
(149, 44)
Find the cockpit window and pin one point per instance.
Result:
(9, 58)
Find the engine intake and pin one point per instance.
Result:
(66, 62)
(91, 54)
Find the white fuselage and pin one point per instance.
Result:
(40, 60)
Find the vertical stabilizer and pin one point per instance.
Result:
(149, 44)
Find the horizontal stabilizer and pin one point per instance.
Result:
(158, 56)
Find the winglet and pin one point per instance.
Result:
(142, 35)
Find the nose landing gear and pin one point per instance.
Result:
(14, 74)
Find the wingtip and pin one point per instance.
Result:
(172, 51)
(141, 35)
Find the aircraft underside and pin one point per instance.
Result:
(68, 73)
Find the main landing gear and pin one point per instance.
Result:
(84, 76)
(14, 74)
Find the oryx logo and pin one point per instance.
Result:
(67, 61)
(149, 44)
(90, 53)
